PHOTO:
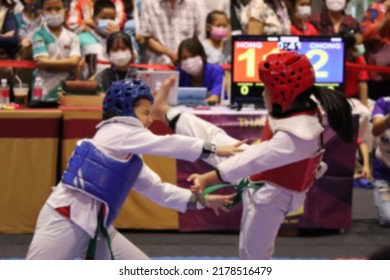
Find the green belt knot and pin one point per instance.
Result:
(240, 187)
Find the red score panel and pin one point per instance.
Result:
(247, 56)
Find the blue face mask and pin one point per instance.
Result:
(102, 24)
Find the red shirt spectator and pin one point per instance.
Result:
(353, 78)
(374, 25)
(300, 11)
(323, 23)
(376, 33)
(309, 31)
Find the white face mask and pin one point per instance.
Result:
(120, 58)
(54, 20)
(192, 65)
(335, 5)
(303, 12)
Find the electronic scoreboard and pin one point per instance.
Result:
(327, 55)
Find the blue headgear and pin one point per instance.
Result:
(120, 97)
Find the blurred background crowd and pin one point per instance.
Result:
(69, 40)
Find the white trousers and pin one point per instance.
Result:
(263, 210)
(58, 238)
(365, 125)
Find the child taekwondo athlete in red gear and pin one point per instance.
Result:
(101, 172)
(278, 171)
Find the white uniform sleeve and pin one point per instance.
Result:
(193, 126)
(284, 148)
(124, 139)
(176, 146)
(150, 185)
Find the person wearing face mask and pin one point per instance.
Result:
(217, 31)
(93, 43)
(80, 17)
(56, 50)
(194, 71)
(120, 51)
(356, 88)
(333, 21)
(300, 11)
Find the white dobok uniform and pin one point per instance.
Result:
(59, 237)
(295, 138)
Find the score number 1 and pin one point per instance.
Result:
(250, 57)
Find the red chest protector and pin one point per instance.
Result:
(298, 176)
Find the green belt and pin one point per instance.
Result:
(91, 251)
(242, 185)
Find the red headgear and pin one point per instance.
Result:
(286, 75)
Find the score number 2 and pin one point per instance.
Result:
(250, 57)
(320, 63)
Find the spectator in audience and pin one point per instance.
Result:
(28, 22)
(333, 21)
(81, 15)
(56, 50)
(300, 11)
(233, 10)
(131, 27)
(17, 5)
(381, 163)
(164, 24)
(205, 7)
(8, 38)
(266, 17)
(217, 31)
(120, 51)
(356, 88)
(93, 43)
(194, 70)
(376, 33)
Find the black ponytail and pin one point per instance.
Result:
(339, 111)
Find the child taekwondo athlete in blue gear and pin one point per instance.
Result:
(101, 172)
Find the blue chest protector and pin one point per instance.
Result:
(104, 178)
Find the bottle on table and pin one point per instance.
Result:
(37, 90)
(4, 89)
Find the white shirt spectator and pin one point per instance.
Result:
(214, 55)
(168, 25)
